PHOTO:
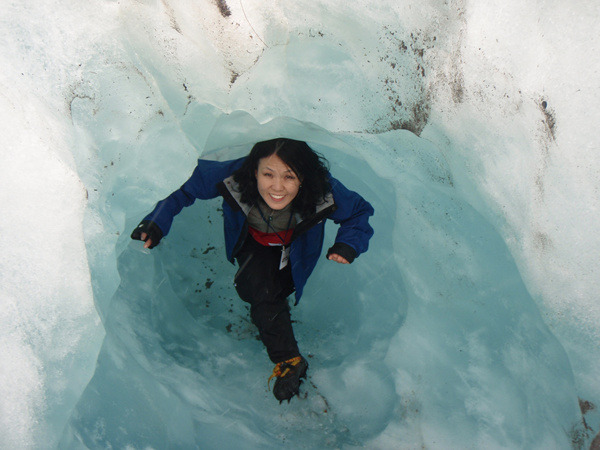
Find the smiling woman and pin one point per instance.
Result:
(277, 184)
(275, 202)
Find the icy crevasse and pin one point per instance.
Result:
(431, 338)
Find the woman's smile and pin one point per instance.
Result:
(277, 197)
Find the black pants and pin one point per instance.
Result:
(260, 283)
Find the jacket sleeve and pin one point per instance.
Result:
(202, 185)
(352, 214)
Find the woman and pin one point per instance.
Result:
(275, 201)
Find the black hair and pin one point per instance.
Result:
(310, 167)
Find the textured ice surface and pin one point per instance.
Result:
(472, 322)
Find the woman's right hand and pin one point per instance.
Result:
(148, 232)
(147, 240)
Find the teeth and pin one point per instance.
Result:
(277, 197)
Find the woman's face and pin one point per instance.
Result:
(278, 185)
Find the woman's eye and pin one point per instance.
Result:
(267, 174)
(290, 177)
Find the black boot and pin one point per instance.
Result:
(288, 374)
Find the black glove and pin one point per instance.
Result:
(344, 250)
(152, 232)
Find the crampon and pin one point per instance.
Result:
(288, 376)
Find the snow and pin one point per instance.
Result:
(472, 322)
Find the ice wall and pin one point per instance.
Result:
(434, 338)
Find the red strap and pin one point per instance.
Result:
(270, 239)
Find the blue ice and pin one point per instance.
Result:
(430, 338)
(462, 326)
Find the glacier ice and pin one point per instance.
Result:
(471, 322)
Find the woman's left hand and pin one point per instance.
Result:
(337, 258)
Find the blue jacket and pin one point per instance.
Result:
(211, 179)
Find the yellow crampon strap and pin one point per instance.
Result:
(277, 372)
